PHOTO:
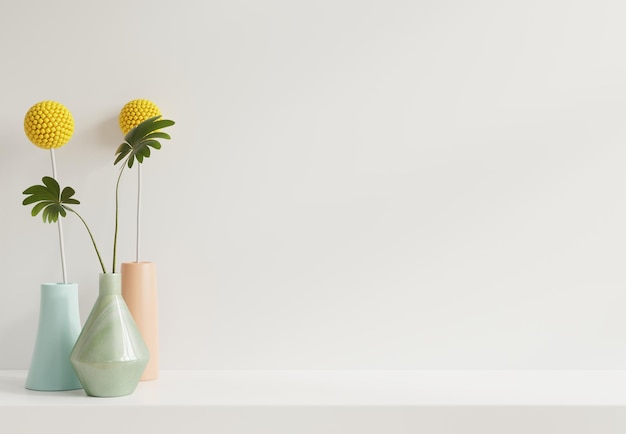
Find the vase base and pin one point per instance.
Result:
(149, 378)
(56, 389)
(106, 380)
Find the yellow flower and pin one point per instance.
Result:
(135, 112)
(49, 124)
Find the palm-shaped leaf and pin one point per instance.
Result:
(139, 140)
(50, 199)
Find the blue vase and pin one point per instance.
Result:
(59, 327)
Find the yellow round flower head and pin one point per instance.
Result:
(49, 124)
(135, 112)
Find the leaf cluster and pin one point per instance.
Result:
(50, 199)
(139, 140)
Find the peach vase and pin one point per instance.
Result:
(139, 289)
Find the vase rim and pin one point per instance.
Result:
(110, 278)
(60, 283)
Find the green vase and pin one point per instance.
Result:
(110, 355)
(59, 326)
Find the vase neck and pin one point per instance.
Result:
(110, 284)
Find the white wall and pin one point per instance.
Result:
(351, 184)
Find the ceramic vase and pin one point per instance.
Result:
(110, 355)
(139, 289)
(58, 329)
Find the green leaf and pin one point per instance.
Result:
(45, 214)
(123, 147)
(146, 127)
(50, 199)
(146, 143)
(153, 143)
(67, 193)
(32, 199)
(120, 157)
(37, 208)
(140, 139)
(52, 185)
(158, 135)
(32, 189)
(41, 191)
(141, 130)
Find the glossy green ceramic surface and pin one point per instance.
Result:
(110, 354)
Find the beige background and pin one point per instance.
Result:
(351, 184)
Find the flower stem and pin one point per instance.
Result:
(62, 246)
(117, 207)
(90, 235)
(59, 224)
(138, 212)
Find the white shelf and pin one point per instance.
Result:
(302, 402)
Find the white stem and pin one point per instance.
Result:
(138, 211)
(59, 224)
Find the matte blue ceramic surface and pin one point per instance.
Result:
(59, 327)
